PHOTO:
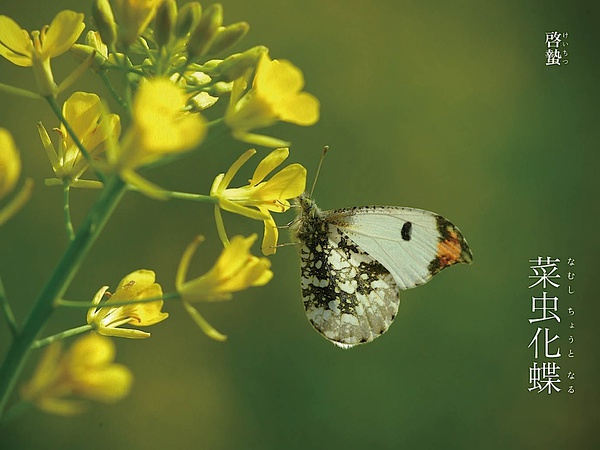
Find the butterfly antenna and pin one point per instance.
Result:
(312, 189)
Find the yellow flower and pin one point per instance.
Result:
(133, 16)
(10, 169)
(138, 285)
(86, 370)
(18, 47)
(160, 127)
(84, 113)
(275, 96)
(236, 269)
(259, 198)
(10, 163)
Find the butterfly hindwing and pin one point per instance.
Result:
(349, 297)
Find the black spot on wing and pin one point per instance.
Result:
(406, 231)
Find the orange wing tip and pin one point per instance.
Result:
(452, 247)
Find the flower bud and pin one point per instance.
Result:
(187, 19)
(235, 65)
(202, 35)
(105, 21)
(220, 88)
(164, 22)
(133, 17)
(229, 36)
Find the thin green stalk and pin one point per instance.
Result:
(67, 212)
(8, 312)
(111, 90)
(17, 410)
(60, 336)
(183, 195)
(57, 285)
(20, 92)
(194, 197)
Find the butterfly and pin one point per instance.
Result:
(355, 261)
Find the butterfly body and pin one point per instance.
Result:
(355, 261)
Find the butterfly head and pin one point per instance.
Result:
(307, 208)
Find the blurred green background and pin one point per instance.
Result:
(445, 106)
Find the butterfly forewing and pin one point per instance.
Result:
(412, 244)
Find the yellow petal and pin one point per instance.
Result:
(184, 263)
(289, 182)
(259, 139)
(234, 257)
(107, 385)
(110, 126)
(239, 86)
(203, 324)
(61, 406)
(255, 272)
(270, 237)
(245, 211)
(45, 373)
(62, 33)
(136, 281)
(268, 164)
(277, 78)
(234, 169)
(127, 333)
(92, 350)
(159, 117)
(10, 163)
(82, 111)
(149, 313)
(302, 109)
(15, 43)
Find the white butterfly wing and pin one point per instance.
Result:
(413, 244)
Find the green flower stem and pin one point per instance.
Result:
(17, 410)
(21, 92)
(60, 336)
(8, 312)
(111, 90)
(67, 212)
(57, 285)
(82, 149)
(217, 122)
(193, 197)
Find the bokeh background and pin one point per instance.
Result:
(445, 106)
